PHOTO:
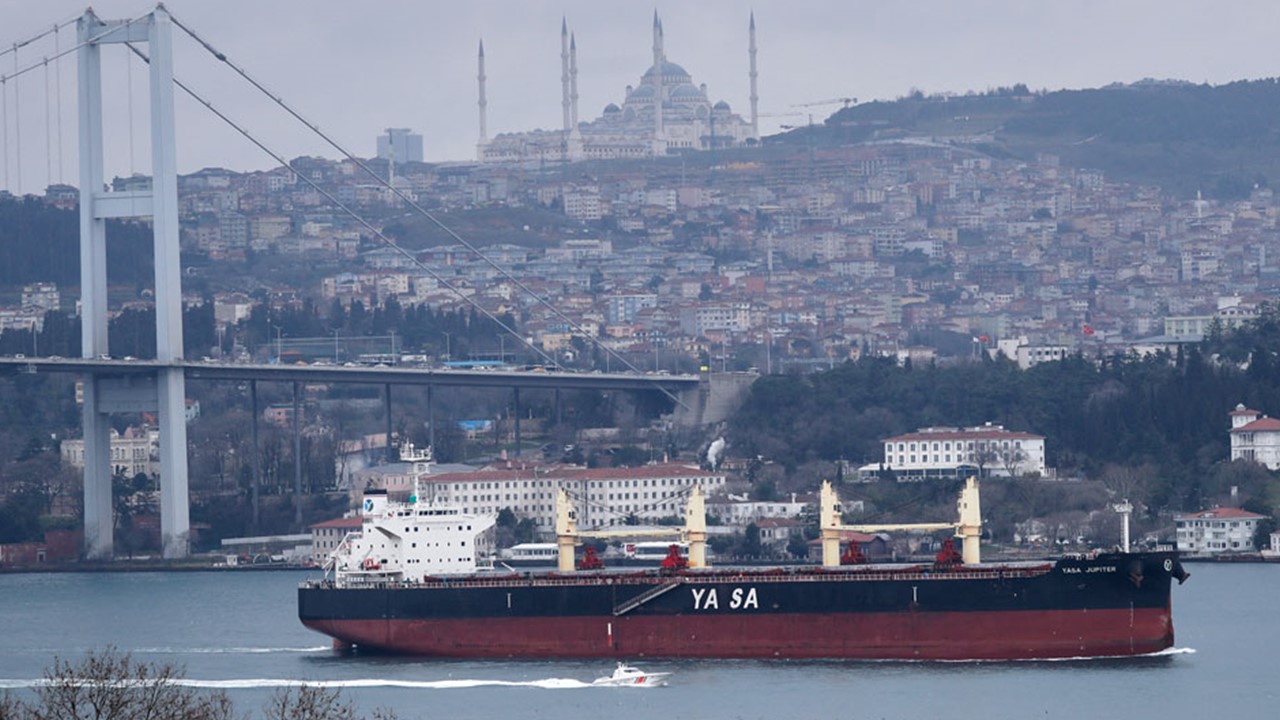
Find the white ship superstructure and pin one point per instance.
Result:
(410, 541)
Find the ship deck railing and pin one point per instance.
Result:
(922, 573)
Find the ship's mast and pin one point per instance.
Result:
(1124, 508)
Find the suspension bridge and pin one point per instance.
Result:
(159, 385)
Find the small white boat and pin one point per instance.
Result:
(627, 676)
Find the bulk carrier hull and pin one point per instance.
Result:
(1103, 606)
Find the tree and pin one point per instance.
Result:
(1262, 534)
(1266, 526)
(751, 546)
(308, 702)
(108, 685)
(797, 546)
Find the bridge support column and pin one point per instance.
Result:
(99, 538)
(98, 519)
(175, 516)
(431, 418)
(175, 504)
(257, 449)
(517, 423)
(168, 391)
(297, 455)
(386, 410)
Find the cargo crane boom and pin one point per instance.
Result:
(694, 532)
(968, 527)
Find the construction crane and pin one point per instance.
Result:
(846, 101)
(694, 531)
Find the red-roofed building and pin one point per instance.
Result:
(1255, 437)
(1220, 530)
(326, 535)
(873, 547)
(775, 533)
(950, 452)
(604, 496)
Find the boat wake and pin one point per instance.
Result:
(1167, 652)
(232, 650)
(547, 683)
(271, 683)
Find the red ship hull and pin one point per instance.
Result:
(1104, 606)
(888, 636)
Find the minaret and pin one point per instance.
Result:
(659, 146)
(564, 71)
(484, 131)
(573, 82)
(755, 98)
(575, 135)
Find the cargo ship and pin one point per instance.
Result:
(411, 582)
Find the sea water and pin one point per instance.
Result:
(238, 631)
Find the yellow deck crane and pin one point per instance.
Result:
(694, 532)
(968, 527)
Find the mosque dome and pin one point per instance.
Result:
(611, 108)
(670, 70)
(686, 92)
(644, 91)
(721, 105)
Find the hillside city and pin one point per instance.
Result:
(788, 262)
(923, 252)
(665, 236)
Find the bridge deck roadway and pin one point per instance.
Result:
(397, 375)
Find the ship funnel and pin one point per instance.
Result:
(375, 502)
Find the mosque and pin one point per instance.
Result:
(682, 119)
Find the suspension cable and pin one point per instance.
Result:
(411, 203)
(57, 68)
(17, 126)
(51, 31)
(4, 128)
(48, 130)
(341, 206)
(18, 72)
(128, 72)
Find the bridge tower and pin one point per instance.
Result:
(165, 392)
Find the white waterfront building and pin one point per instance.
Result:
(1218, 530)
(1255, 437)
(988, 449)
(603, 496)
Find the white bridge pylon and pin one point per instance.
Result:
(164, 393)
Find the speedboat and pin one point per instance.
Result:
(627, 676)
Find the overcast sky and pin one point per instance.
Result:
(357, 67)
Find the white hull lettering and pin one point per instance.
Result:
(737, 599)
(740, 600)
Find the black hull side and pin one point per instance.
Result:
(1105, 582)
